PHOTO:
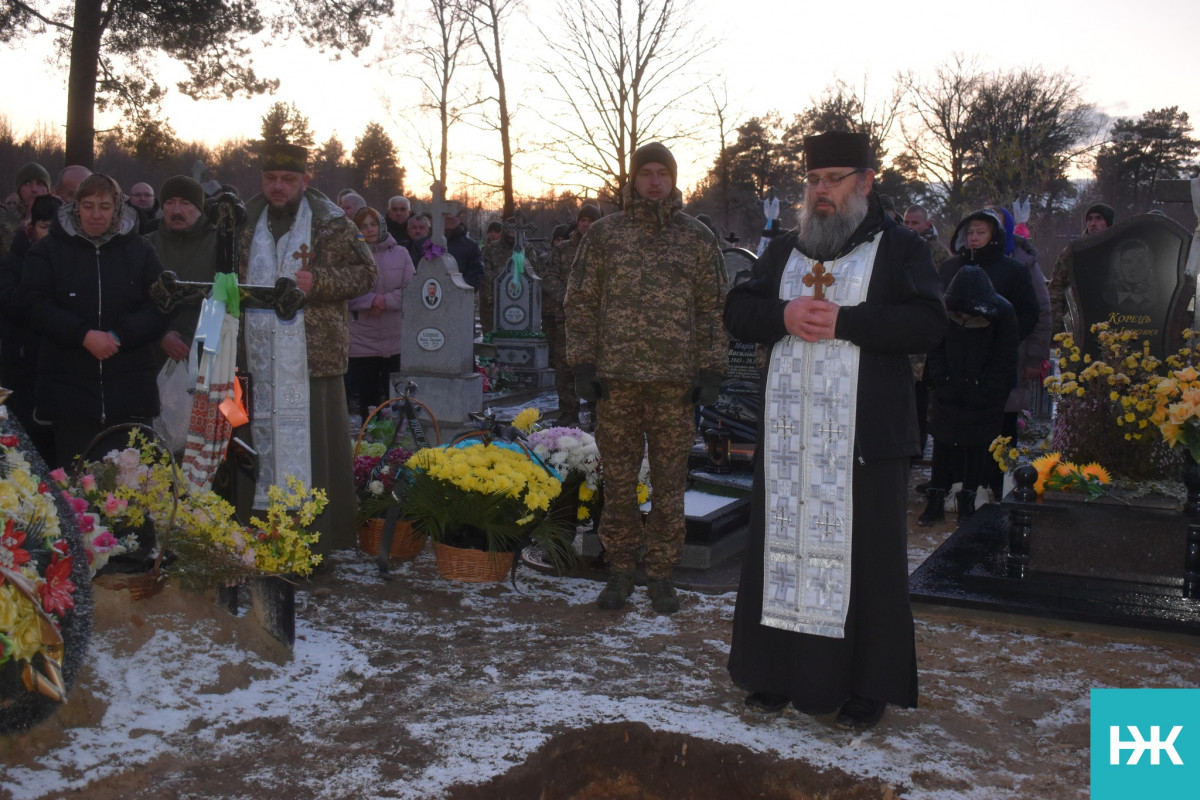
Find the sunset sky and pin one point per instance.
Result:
(773, 55)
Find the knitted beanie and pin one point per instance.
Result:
(33, 172)
(655, 153)
(1103, 210)
(183, 187)
(589, 210)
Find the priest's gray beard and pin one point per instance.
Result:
(822, 238)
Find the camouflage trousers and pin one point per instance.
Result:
(633, 417)
(564, 380)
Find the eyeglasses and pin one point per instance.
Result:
(830, 182)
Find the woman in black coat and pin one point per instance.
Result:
(969, 375)
(86, 286)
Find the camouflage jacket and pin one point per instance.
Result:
(342, 268)
(939, 251)
(1059, 287)
(555, 276)
(646, 295)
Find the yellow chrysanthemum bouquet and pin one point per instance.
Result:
(1115, 410)
(486, 495)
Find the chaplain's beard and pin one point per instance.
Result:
(823, 238)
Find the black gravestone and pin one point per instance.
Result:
(1133, 277)
(740, 402)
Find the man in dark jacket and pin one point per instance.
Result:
(465, 250)
(87, 286)
(822, 618)
(186, 243)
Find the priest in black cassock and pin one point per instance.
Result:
(823, 619)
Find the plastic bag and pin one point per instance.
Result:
(175, 399)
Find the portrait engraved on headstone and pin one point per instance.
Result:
(1133, 277)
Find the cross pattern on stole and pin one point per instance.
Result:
(827, 464)
(782, 516)
(785, 460)
(827, 524)
(784, 581)
(824, 584)
(784, 426)
(785, 394)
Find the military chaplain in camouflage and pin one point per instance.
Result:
(646, 343)
(299, 421)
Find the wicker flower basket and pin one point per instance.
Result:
(406, 544)
(474, 566)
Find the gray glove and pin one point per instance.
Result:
(587, 385)
(706, 389)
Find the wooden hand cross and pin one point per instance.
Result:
(304, 254)
(818, 279)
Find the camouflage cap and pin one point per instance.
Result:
(284, 157)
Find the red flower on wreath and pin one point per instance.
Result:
(58, 587)
(12, 554)
(9, 441)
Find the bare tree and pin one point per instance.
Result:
(720, 106)
(112, 44)
(623, 68)
(1027, 127)
(937, 132)
(439, 40)
(487, 18)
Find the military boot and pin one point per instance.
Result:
(935, 507)
(966, 505)
(616, 591)
(662, 595)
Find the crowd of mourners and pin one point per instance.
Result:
(638, 313)
(78, 304)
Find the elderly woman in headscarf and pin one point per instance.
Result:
(87, 288)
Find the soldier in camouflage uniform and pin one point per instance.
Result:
(1097, 219)
(646, 341)
(554, 290)
(31, 180)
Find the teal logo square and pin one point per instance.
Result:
(1145, 743)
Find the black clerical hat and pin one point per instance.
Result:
(838, 149)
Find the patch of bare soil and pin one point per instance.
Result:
(423, 688)
(631, 761)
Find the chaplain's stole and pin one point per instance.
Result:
(277, 354)
(811, 398)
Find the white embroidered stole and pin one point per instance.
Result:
(277, 354)
(811, 397)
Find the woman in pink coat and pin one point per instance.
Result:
(375, 317)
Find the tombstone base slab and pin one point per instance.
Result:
(969, 570)
(717, 527)
(522, 353)
(449, 398)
